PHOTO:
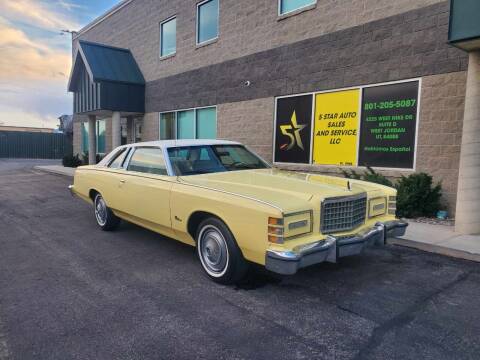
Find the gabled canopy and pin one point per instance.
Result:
(104, 63)
(106, 79)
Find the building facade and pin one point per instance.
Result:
(315, 85)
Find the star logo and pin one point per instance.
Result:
(293, 133)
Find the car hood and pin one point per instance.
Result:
(288, 190)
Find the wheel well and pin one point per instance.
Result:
(195, 219)
(92, 194)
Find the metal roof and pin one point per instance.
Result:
(105, 64)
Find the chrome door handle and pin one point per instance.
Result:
(122, 181)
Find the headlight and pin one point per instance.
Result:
(377, 206)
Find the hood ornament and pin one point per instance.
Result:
(349, 187)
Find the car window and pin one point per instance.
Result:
(148, 160)
(194, 160)
(118, 159)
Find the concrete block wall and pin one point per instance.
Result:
(77, 138)
(440, 131)
(246, 27)
(408, 45)
(249, 122)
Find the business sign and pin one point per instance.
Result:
(337, 117)
(365, 126)
(293, 129)
(389, 122)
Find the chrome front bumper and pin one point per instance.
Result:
(332, 248)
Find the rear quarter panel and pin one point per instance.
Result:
(105, 181)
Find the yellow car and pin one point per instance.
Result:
(235, 208)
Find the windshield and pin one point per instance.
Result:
(204, 159)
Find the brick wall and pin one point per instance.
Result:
(246, 27)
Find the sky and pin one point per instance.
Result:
(35, 58)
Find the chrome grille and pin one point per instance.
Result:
(343, 213)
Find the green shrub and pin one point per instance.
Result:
(369, 175)
(71, 161)
(85, 158)
(417, 196)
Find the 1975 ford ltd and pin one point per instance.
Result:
(235, 208)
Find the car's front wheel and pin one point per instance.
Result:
(105, 217)
(219, 253)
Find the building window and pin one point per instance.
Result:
(189, 124)
(167, 126)
(207, 21)
(137, 127)
(84, 137)
(186, 124)
(168, 37)
(99, 136)
(206, 123)
(287, 6)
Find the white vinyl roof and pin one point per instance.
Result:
(180, 143)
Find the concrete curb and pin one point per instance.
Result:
(436, 249)
(68, 172)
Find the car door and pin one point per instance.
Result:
(145, 189)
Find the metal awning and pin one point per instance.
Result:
(106, 78)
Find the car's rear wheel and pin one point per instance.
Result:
(218, 252)
(105, 217)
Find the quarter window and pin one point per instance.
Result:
(207, 21)
(168, 37)
(287, 6)
(189, 124)
(119, 159)
(148, 160)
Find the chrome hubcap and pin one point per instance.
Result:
(100, 210)
(213, 250)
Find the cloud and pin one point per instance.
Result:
(34, 103)
(69, 5)
(17, 117)
(38, 14)
(33, 79)
(24, 59)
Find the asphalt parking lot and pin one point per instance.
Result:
(71, 291)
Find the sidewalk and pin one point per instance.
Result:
(56, 169)
(440, 239)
